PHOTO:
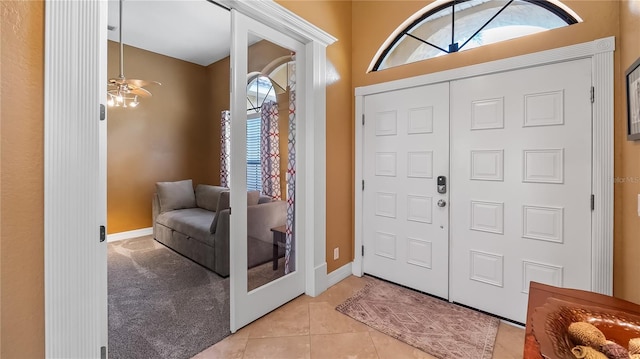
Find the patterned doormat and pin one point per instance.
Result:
(435, 326)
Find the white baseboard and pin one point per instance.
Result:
(318, 283)
(129, 234)
(339, 274)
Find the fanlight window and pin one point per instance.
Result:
(451, 26)
(259, 90)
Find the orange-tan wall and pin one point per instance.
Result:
(22, 179)
(627, 167)
(21, 143)
(168, 137)
(335, 18)
(218, 75)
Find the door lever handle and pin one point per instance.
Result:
(442, 203)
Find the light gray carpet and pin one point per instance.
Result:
(161, 304)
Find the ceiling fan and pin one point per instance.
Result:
(124, 92)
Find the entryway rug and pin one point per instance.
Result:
(435, 326)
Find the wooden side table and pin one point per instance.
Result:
(279, 236)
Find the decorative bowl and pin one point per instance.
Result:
(550, 323)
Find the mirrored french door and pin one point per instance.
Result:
(267, 253)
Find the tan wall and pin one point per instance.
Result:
(21, 143)
(335, 18)
(22, 179)
(627, 166)
(170, 136)
(218, 74)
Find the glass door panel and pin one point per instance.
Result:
(270, 164)
(267, 266)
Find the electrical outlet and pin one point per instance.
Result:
(336, 253)
(639, 205)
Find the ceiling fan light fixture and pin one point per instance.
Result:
(125, 90)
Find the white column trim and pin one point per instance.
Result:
(75, 261)
(601, 54)
(359, 177)
(602, 173)
(315, 157)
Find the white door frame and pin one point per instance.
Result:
(601, 54)
(316, 40)
(67, 54)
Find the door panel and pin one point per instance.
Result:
(521, 185)
(406, 148)
(252, 234)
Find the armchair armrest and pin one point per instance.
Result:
(221, 243)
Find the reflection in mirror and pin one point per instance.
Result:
(270, 159)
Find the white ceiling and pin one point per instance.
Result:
(196, 31)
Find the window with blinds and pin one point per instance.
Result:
(254, 170)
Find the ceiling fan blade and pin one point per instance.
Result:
(139, 91)
(116, 81)
(141, 83)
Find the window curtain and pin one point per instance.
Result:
(225, 150)
(289, 264)
(270, 150)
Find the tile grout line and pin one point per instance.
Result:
(309, 321)
(246, 343)
(374, 345)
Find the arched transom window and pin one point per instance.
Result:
(444, 27)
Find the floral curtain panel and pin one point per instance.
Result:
(270, 150)
(225, 150)
(289, 265)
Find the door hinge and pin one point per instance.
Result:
(103, 352)
(103, 112)
(363, 185)
(593, 202)
(363, 251)
(593, 94)
(103, 233)
(363, 119)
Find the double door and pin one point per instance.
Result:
(515, 149)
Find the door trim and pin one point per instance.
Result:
(62, 49)
(601, 54)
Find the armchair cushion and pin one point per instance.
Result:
(175, 195)
(191, 221)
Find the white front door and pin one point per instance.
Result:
(406, 148)
(250, 301)
(521, 185)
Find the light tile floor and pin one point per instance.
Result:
(310, 327)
